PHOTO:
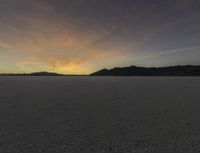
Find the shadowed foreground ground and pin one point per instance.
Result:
(99, 115)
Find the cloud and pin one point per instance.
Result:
(3, 45)
(59, 45)
(181, 4)
(154, 54)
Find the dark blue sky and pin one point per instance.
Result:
(82, 36)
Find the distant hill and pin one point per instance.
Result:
(184, 70)
(45, 74)
(39, 74)
(34, 74)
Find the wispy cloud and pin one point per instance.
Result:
(3, 45)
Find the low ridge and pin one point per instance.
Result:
(183, 70)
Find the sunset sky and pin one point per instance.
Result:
(83, 36)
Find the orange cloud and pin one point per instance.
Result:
(47, 40)
(3, 45)
(71, 66)
(67, 51)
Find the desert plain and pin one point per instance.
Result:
(99, 114)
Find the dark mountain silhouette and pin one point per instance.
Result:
(184, 70)
(34, 74)
(45, 74)
(38, 74)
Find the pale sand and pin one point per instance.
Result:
(99, 115)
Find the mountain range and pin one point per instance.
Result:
(180, 70)
(33, 74)
(184, 70)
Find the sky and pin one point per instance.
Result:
(83, 36)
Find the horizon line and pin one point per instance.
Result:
(62, 74)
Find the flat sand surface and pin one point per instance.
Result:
(99, 115)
